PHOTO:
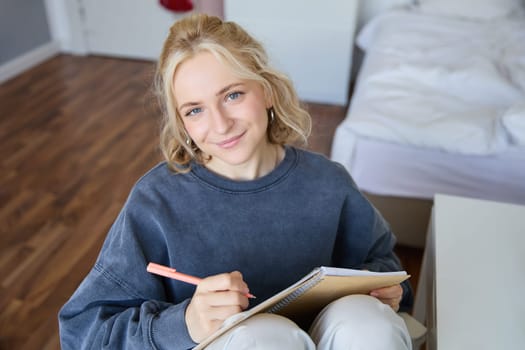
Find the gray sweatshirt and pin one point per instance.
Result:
(306, 213)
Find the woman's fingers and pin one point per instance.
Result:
(216, 298)
(224, 282)
(389, 295)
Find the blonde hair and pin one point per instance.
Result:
(230, 44)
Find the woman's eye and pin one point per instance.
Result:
(193, 112)
(234, 95)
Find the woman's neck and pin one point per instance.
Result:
(260, 165)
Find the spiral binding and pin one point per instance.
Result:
(295, 294)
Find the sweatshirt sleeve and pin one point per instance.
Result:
(105, 314)
(365, 240)
(119, 305)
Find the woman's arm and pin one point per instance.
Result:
(106, 313)
(365, 241)
(119, 305)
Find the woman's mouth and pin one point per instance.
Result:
(231, 142)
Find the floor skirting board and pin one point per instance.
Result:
(25, 61)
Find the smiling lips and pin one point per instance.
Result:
(231, 142)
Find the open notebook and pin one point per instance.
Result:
(314, 291)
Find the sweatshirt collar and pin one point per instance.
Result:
(267, 181)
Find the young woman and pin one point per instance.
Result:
(237, 204)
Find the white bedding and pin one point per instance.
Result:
(440, 111)
(443, 82)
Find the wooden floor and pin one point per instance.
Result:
(75, 134)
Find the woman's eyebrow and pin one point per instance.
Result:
(222, 91)
(187, 104)
(226, 88)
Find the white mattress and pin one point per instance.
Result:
(389, 169)
(399, 167)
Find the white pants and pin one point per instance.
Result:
(354, 322)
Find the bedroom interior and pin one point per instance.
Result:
(438, 103)
(66, 176)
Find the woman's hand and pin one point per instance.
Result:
(216, 298)
(389, 295)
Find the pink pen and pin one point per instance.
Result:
(174, 274)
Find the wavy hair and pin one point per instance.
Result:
(233, 46)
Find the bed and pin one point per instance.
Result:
(438, 107)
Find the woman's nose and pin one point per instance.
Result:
(221, 122)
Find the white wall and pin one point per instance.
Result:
(23, 27)
(308, 40)
(25, 38)
(105, 27)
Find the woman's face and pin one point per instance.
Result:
(226, 117)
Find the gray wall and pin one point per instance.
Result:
(23, 27)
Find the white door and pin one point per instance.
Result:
(126, 28)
